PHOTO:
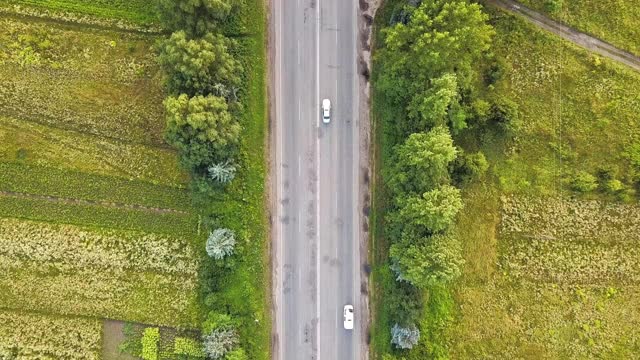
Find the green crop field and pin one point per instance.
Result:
(614, 21)
(550, 233)
(142, 12)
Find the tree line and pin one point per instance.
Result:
(202, 108)
(432, 83)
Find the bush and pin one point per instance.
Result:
(223, 172)
(237, 354)
(219, 342)
(583, 182)
(470, 167)
(553, 6)
(188, 347)
(221, 243)
(405, 337)
(150, 340)
(404, 303)
(505, 113)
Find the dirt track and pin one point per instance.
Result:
(581, 39)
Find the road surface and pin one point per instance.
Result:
(579, 38)
(315, 179)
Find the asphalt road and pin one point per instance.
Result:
(315, 175)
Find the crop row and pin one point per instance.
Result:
(97, 216)
(40, 180)
(66, 248)
(146, 297)
(33, 336)
(101, 82)
(37, 144)
(570, 219)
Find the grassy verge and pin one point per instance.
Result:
(245, 291)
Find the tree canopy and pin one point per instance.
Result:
(421, 162)
(197, 17)
(199, 66)
(432, 212)
(427, 261)
(202, 128)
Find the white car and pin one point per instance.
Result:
(326, 111)
(348, 317)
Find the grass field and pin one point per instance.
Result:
(614, 21)
(550, 272)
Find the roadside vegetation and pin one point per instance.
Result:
(97, 219)
(613, 21)
(506, 186)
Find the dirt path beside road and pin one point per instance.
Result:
(581, 39)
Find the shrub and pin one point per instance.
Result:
(198, 66)
(216, 320)
(614, 186)
(223, 172)
(221, 243)
(405, 337)
(404, 303)
(553, 6)
(150, 341)
(237, 354)
(583, 182)
(470, 167)
(505, 113)
(188, 347)
(219, 342)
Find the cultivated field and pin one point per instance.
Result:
(95, 219)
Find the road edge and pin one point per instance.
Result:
(271, 178)
(366, 13)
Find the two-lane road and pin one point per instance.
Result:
(317, 261)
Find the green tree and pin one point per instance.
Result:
(442, 37)
(197, 17)
(430, 213)
(427, 261)
(432, 107)
(202, 129)
(198, 66)
(421, 162)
